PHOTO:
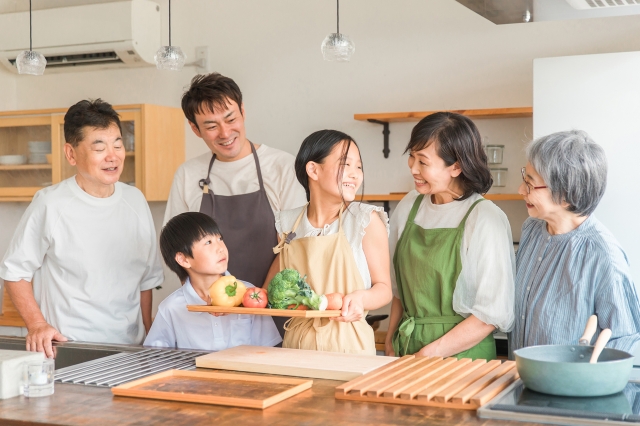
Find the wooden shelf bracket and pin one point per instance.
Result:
(385, 133)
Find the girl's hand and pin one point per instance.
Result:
(352, 307)
(388, 349)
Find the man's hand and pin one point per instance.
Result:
(39, 338)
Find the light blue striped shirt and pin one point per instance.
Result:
(561, 280)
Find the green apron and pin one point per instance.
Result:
(427, 265)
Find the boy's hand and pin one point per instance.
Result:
(215, 314)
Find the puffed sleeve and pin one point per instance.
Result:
(485, 287)
(616, 302)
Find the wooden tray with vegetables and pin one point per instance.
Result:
(289, 295)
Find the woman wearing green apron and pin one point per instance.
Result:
(452, 254)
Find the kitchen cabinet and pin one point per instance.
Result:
(153, 135)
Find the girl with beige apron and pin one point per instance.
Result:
(330, 267)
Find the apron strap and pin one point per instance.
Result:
(204, 183)
(405, 330)
(288, 236)
(464, 219)
(258, 169)
(414, 209)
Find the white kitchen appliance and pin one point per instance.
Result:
(93, 36)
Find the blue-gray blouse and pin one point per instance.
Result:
(561, 280)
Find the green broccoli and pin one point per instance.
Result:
(289, 288)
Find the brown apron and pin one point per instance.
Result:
(330, 267)
(247, 224)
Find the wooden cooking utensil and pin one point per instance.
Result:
(603, 338)
(589, 331)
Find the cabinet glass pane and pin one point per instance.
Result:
(128, 175)
(25, 156)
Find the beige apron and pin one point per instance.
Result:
(330, 267)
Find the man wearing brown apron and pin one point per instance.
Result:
(239, 184)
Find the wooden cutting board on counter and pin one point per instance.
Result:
(236, 390)
(293, 362)
(432, 381)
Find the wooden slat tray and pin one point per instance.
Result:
(264, 311)
(236, 390)
(293, 362)
(432, 381)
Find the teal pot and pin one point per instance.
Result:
(565, 370)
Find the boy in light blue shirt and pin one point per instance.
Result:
(192, 247)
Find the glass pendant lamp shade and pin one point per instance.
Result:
(337, 47)
(30, 62)
(170, 58)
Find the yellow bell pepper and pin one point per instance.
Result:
(227, 291)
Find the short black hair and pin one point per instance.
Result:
(179, 235)
(209, 92)
(457, 140)
(87, 113)
(318, 146)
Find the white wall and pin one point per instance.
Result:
(601, 95)
(410, 55)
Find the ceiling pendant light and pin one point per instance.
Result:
(170, 57)
(336, 46)
(28, 61)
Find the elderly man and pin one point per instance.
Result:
(84, 258)
(569, 266)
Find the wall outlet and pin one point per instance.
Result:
(202, 59)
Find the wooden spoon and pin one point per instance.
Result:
(603, 338)
(589, 331)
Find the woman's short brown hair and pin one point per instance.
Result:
(457, 140)
(208, 93)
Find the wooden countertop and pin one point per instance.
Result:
(83, 405)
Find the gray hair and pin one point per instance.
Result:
(573, 167)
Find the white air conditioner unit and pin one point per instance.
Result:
(96, 36)
(597, 4)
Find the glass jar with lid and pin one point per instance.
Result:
(499, 176)
(494, 153)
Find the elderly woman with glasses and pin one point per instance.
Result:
(568, 265)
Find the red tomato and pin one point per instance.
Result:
(255, 297)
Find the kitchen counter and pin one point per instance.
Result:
(87, 405)
(84, 405)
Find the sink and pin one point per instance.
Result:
(66, 356)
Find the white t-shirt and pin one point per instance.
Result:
(355, 220)
(485, 286)
(88, 259)
(176, 327)
(235, 178)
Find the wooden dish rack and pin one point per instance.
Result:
(433, 382)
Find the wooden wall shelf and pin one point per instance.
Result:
(384, 118)
(400, 117)
(25, 167)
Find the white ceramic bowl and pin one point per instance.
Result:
(38, 147)
(12, 159)
(37, 158)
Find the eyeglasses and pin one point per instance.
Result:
(529, 186)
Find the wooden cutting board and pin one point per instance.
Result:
(293, 362)
(204, 387)
(432, 381)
